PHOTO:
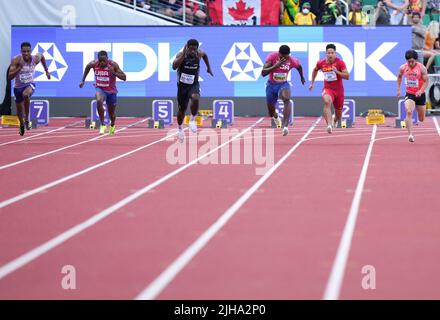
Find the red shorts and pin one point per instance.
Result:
(337, 97)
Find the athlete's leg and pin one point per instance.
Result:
(195, 98)
(421, 112)
(285, 96)
(409, 107)
(182, 100)
(327, 97)
(112, 101)
(27, 93)
(19, 101)
(338, 103)
(100, 97)
(421, 107)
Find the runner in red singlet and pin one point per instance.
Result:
(416, 80)
(334, 71)
(106, 72)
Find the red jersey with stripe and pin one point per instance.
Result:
(331, 79)
(413, 78)
(105, 79)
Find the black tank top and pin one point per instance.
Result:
(188, 72)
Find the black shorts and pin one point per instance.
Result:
(184, 93)
(420, 101)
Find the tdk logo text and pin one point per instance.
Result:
(240, 63)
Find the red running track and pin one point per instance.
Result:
(279, 244)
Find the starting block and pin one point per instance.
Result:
(92, 124)
(275, 125)
(400, 124)
(375, 116)
(205, 113)
(199, 120)
(34, 123)
(219, 123)
(156, 124)
(344, 123)
(10, 121)
(13, 121)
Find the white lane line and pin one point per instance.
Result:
(56, 241)
(436, 125)
(158, 284)
(63, 148)
(336, 277)
(36, 135)
(44, 187)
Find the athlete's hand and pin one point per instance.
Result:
(210, 72)
(81, 84)
(311, 87)
(47, 74)
(334, 69)
(398, 92)
(280, 62)
(419, 93)
(303, 80)
(185, 50)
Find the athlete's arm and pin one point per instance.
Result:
(40, 58)
(268, 67)
(117, 71)
(399, 80)
(425, 81)
(205, 58)
(15, 68)
(179, 58)
(86, 72)
(314, 74)
(300, 71)
(343, 74)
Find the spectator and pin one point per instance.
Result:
(330, 11)
(433, 6)
(305, 17)
(289, 9)
(418, 39)
(432, 34)
(382, 15)
(397, 13)
(316, 5)
(198, 15)
(356, 16)
(431, 39)
(418, 6)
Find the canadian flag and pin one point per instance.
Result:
(244, 12)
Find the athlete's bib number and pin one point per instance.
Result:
(25, 77)
(187, 78)
(278, 76)
(412, 83)
(330, 76)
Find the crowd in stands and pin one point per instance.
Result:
(422, 15)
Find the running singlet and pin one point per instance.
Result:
(26, 74)
(103, 78)
(331, 80)
(413, 78)
(188, 72)
(280, 74)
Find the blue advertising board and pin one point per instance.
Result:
(237, 54)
